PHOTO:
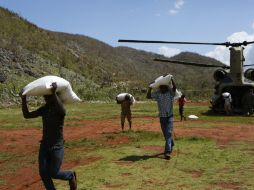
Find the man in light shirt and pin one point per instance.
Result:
(165, 99)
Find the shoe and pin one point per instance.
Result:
(167, 156)
(73, 182)
(172, 144)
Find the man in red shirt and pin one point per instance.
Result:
(181, 102)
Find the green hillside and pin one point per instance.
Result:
(96, 70)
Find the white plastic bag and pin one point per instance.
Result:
(178, 94)
(120, 97)
(42, 86)
(193, 117)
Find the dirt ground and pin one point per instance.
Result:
(24, 142)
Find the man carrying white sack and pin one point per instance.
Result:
(51, 151)
(125, 110)
(165, 98)
(227, 103)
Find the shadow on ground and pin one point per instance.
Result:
(135, 158)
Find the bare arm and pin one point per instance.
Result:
(174, 85)
(185, 100)
(148, 95)
(118, 102)
(25, 110)
(56, 101)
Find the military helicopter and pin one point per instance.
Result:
(230, 80)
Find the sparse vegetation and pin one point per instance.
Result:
(96, 70)
(112, 159)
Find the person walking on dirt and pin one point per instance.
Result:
(165, 97)
(51, 151)
(181, 103)
(126, 110)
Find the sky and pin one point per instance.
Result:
(169, 20)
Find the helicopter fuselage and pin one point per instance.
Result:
(234, 82)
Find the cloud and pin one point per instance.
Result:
(177, 6)
(168, 52)
(173, 12)
(222, 54)
(240, 37)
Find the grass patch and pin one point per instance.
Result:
(200, 124)
(4, 156)
(12, 118)
(92, 111)
(10, 163)
(198, 163)
(79, 143)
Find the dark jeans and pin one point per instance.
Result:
(181, 110)
(167, 130)
(50, 160)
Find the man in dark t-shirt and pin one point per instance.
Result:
(51, 148)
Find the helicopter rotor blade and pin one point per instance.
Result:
(191, 63)
(227, 44)
(247, 43)
(167, 42)
(248, 65)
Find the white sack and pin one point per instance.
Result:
(165, 80)
(178, 94)
(193, 117)
(162, 80)
(226, 94)
(120, 97)
(42, 86)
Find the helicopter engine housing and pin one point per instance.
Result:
(249, 74)
(219, 74)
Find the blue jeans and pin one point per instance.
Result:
(167, 130)
(50, 160)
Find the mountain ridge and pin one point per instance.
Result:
(95, 69)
